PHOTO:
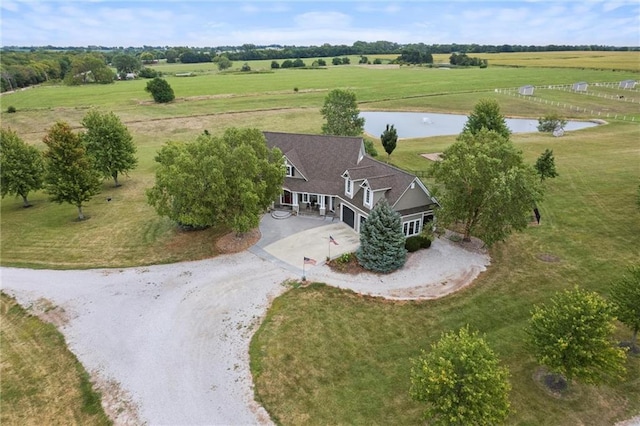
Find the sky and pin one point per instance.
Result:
(305, 23)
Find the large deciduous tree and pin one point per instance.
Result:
(486, 115)
(572, 337)
(389, 139)
(21, 166)
(625, 294)
(70, 176)
(125, 64)
(341, 113)
(488, 187)
(382, 240)
(110, 144)
(160, 90)
(228, 180)
(461, 381)
(89, 68)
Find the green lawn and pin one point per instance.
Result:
(42, 381)
(328, 356)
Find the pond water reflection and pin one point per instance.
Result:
(426, 124)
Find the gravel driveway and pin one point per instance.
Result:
(168, 344)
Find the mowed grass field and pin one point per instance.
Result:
(42, 381)
(328, 356)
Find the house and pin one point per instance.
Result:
(580, 86)
(332, 175)
(627, 84)
(526, 90)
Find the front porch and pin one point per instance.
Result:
(304, 203)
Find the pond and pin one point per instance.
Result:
(426, 124)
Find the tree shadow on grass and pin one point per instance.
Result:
(555, 385)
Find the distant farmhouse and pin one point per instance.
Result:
(627, 84)
(332, 175)
(526, 90)
(580, 86)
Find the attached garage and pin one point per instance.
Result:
(348, 216)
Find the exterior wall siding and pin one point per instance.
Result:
(412, 198)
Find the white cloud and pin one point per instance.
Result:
(321, 20)
(10, 6)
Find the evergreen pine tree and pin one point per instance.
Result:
(382, 240)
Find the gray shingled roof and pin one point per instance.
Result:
(323, 159)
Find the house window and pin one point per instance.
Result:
(367, 197)
(305, 197)
(289, 170)
(411, 227)
(348, 187)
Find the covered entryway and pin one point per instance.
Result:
(286, 197)
(348, 216)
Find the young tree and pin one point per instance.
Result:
(224, 63)
(228, 180)
(488, 187)
(21, 166)
(486, 114)
(342, 115)
(551, 122)
(625, 294)
(572, 337)
(110, 144)
(461, 381)
(160, 90)
(382, 240)
(389, 139)
(70, 176)
(546, 165)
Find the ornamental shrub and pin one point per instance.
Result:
(413, 244)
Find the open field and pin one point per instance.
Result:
(42, 382)
(323, 353)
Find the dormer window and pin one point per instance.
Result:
(289, 170)
(367, 197)
(348, 187)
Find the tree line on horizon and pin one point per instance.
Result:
(22, 66)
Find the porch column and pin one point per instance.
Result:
(322, 209)
(294, 198)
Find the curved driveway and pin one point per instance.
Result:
(172, 340)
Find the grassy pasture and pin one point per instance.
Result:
(127, 232)
(42, 382)
(325, 353)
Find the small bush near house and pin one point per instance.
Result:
(11, 109)
(417, 242)
(412, 244)
(425, 242)
(344, 258)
